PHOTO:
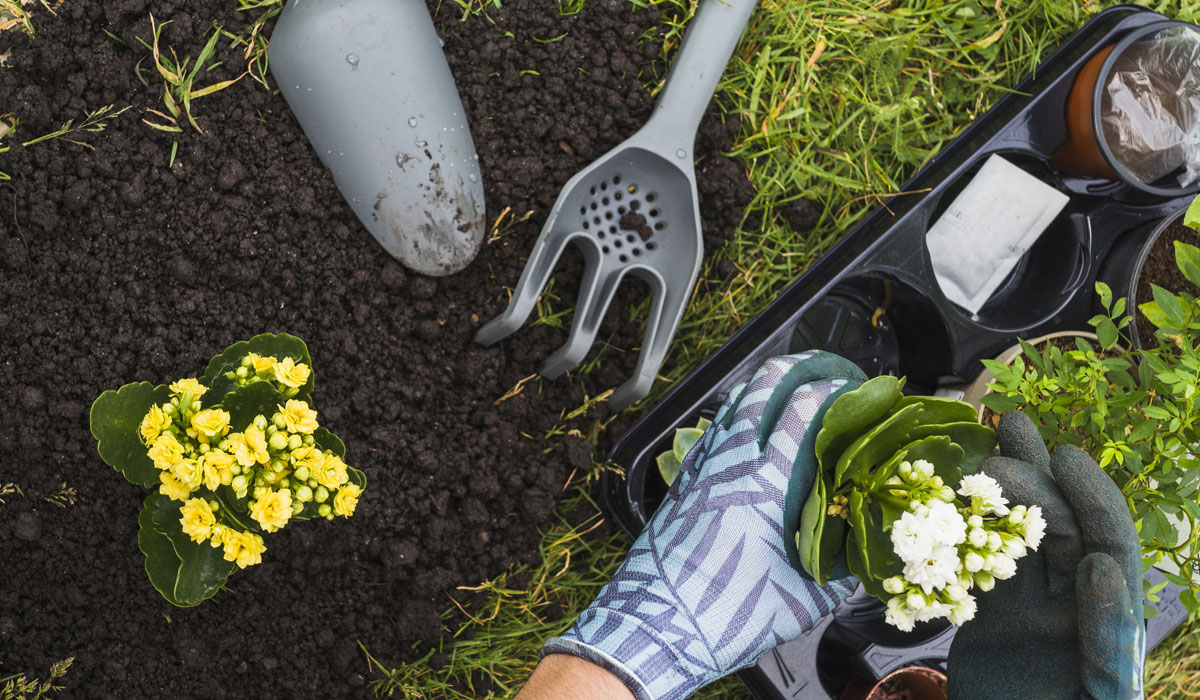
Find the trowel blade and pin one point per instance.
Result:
(369, 84)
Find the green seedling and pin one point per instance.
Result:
(94, 121)
(670, 463)
(180, 77)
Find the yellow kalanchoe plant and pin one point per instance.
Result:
(232, 455)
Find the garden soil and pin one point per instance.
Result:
(116, 267)
(1160, 269)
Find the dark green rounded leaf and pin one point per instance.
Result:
(116, 420)
(851, 414)
(248, 402)
(186, 573)
(328, 441)
(877, 445)
(277, 345)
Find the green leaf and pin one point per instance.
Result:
(832, 543)
(851, 414)
(186, 573)
(1106, 333)
(1000, 403)
(1153, 313)
(236, 509)
(248, 402)
(945, 456)
(116, 420)
(669, 467)
(357, 477)
(277, 345)
(1105, 295)
(877, 445)
(1187, 258)
(1191, 218)
(938, 409)
(328, 441)
(868, 540)
(1141, 431)
(808, 535)
(1118, 308)
(685, 440)
(1169, 305)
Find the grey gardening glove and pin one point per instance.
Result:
(1069, 623)
(712, 583)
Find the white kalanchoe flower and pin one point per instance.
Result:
(972, 562)
(922, 469)
(1034, 527)
(1001, 566)
(935, 571)
(1014, 545)
(994, 543)
(947, 523)
(977, 537)
(975, 521)
(985, 494)
(1016, 515)
(955, 593)
(912, 537)
(964, 611)
(899, 616)
(933, 611)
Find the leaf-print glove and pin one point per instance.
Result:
(1068, 625)
(714, 580)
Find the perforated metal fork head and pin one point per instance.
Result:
(632, 212)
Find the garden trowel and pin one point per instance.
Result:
(370, 86)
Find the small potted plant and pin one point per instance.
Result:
(230, 456)
(1138, 412)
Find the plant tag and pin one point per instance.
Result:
(987, 228)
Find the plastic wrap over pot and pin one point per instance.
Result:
(1150, 109)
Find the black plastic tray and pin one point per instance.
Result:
(922, 335)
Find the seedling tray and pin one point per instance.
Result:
(884, 263)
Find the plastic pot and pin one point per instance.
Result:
(1123, 267)
(1097, 147)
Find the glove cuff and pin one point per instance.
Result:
(635, 653)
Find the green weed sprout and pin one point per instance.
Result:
(231, 455)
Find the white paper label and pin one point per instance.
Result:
(987, 228)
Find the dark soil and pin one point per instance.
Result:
(1160, 269)
(115, 268)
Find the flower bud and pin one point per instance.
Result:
(321, 494)
(893, 585)
(278, 442)
(916, 601)
(946, 494)
(955, 593)
(985, 581)
(204, 448)
(303, 493)
(247, 362)
(294, 442)
(214, 505)
(973, 563)
(260, 422)
(297, 506)
(1013, 546)
(994, 542)
(312, 482)
(239, 482)
(977, 537)
(235, 468)
(309, 440)
(277, 465)
(324, 510)
(923, 471)
(291, 391)
(224, 445)
(301, 473)
(1016, 515)
(975, 521)
(260, 491)
(242, 372)
(937, 482)
(278, 421)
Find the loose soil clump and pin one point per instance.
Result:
(115, 267)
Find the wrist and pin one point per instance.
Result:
(569, 676)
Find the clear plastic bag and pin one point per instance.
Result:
(1150, 107)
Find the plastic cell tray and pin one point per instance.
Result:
(884, 263)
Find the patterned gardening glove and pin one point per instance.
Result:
(1068, 625)
(712, 583)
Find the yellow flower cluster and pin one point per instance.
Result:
(287, 374)
(273, 463)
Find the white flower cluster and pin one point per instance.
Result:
(949, 547)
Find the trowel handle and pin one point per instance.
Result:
(711, 37)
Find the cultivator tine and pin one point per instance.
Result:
(537, 271)
(589, 313)
(665, 311)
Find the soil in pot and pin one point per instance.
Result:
(1160, 269)
(116, 266)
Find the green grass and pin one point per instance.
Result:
(840, 101)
